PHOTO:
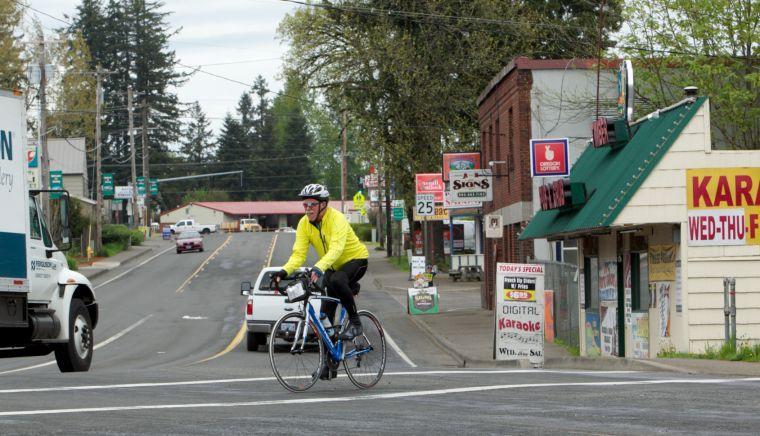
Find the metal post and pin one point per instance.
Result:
(732, 294)
(98, 188)
(45, 161)
(726, 309)
(135, 215)
(145, 171)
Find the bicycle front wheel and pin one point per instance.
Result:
(295, 362)
(365, 355)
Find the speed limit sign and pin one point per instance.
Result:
(425, 204)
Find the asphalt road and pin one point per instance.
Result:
(170, 360)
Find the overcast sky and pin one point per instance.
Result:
(212, 32)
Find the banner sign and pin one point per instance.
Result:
(430, 184)
(519, 312)
(460, 161)
(549, 157)
(106, 185)
(723, 206)
(56, 182)
(421, 301)
(662, 262)
(471, 185)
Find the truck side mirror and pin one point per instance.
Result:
(245, 288)
(65, 218)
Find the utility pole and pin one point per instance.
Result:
(45, 173)
(135, 215)
(98, 188)
(145, 151)
(343, 170)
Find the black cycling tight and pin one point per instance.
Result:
(339, 286)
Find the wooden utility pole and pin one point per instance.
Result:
(45, 161)
(135, 215)
(343, 170)
(145, 151)
(98, 176)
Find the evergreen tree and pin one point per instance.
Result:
(197, 136)
(12, 75)
(228, 156)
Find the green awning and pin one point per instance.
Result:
(613, 176)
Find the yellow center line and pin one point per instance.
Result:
(242, 331)
(205, 262)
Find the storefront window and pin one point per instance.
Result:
(640, 281)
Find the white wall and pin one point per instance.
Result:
(662, 198)
(200, 214)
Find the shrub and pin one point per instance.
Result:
(363, 231)
(72, 262)
(137, 237)
(116, 234)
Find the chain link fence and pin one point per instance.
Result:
(562, 278)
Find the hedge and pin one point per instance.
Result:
(363, 231)
(119, 233)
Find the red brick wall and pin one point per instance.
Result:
(504, 118)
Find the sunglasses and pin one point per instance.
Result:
(310, 204)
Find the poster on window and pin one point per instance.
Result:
(549, 316)
(627, 285)
(520, 312)
(591, 334)
(608, 330)
(663, 304)
(662, 262)
(608, 281)
(640, 335)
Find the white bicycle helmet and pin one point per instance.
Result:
(316, 191)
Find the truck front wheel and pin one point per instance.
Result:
(76, 354)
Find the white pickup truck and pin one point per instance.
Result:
(190, 224)
(44, 306)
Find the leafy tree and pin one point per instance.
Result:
(12, 75)
(197, 141)
(711, 44)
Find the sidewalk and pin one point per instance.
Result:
(465, 331)
(123, 258)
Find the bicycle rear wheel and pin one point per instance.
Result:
(295, 364)
(365, 355)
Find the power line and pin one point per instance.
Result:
(41, 12)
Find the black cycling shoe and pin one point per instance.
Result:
(327, 373)
(352, 330)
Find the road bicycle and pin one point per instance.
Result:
(300, 344)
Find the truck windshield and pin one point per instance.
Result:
(34, 222)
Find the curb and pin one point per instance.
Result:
(129, 258)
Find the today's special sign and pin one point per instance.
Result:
(520, 312)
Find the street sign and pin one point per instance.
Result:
(56, 182)
(425, 204)
(471, 185)
(106, 185)
(398, 214)
(122, 192)
(141, 186)
(358, 200)
(153, 187)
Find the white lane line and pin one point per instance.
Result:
(133, 268)
(258, 379)
(393, 395)
(99, 345)
(399, 351)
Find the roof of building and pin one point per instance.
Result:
(67, 155)
(524, 63)
(612, 176)
(251, 207)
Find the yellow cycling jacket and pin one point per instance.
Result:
(333, 239)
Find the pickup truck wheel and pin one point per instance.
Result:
(76, 354)
(205, 231)
(254, 340)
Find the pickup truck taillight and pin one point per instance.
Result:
(249, 307)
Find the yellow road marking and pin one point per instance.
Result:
(205, 262)
(242, 331)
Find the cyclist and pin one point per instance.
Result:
(342, 257)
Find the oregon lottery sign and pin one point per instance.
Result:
(723, 206)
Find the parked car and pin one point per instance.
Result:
(190, 224)
(250, 225)
(189, 240)
(265, 306)
(286, 230)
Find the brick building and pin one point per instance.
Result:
(532, 99)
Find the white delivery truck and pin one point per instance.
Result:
(44, 306)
